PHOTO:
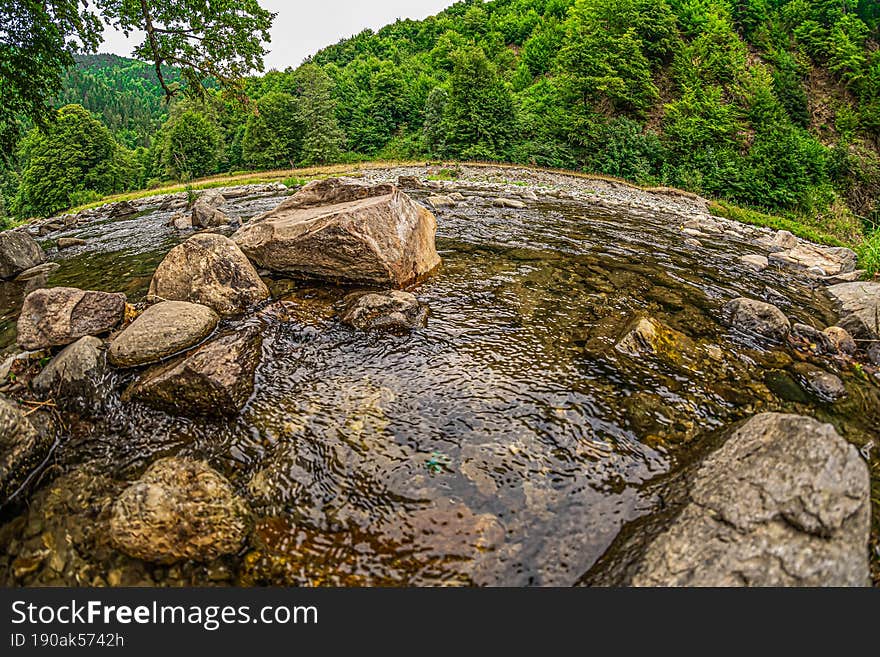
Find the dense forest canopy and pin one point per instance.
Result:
(767, 103)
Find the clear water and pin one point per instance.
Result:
(505, 444)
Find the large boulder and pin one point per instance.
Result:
(75, 377)
(22, 449)
(217, 379)
(18, 252)
(859, 303)
(757, 317)
(393, 310)
(163, 330)
(211, 270)
(785, 502)
(179, 510)
(345, 231)
(207, 210)
(57, 316)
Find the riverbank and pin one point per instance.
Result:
(831, 231)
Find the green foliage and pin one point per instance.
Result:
(322, 139)
(73, 156)
(189, 146)
(274, 133)
(869, 254)
(479, 120)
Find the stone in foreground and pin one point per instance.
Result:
(210, 270)
(162, 331)
(751, 316)
(74, 377)
(22, 449)
(179, 510)
(18, 252)
(217, 379)
(375, 235)
(392, 310)
(785, 502)
(57, 316)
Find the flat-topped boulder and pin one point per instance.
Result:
(162, 331)
(211, 270)
(58, 316)
(345, 231)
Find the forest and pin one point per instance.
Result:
(768, 104)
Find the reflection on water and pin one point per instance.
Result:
(507, 442)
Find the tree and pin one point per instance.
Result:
(433, 129)
(273, 136)
(480, 119)
(34, 52)
(222, 40)
(190, 145)
(72, 155)
(322, 138)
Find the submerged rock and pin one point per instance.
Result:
(757, 317)
(179, 510)
(74, 377)
(163, 330)
(815, 339)
(22, 449)
(824, 385)
(210, 270)
(346, 231)
(18, 252)
(57, 316)
(392, 310)
(785, 502)
(38, 271)
(650, 337)
(217, 379)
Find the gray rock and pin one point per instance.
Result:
(817, 261)
(18, 252)
(162, 331)
(457, 196)
(849, 277)
(861, 300)
(57, 316)
(757, 317)
(508, 203)
(217, 379)
(824, 385)
(210, 270)
(181, 221)
(207, 212)
(68, 242)
(410, 182)
(179, 510)
(756, 262)
(784, 240)
(75, 377)
(22, 449)
(873, 352)
(123, 209)
(785, 502)
(391, 310)
(693, 243)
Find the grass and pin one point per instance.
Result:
(794, 226)
(869, 254)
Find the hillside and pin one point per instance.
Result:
(771, 104)
(124, 93)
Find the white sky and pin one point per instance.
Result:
(303, 28)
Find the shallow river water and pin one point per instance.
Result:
(505, 444)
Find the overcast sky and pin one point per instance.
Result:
(303, 28)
